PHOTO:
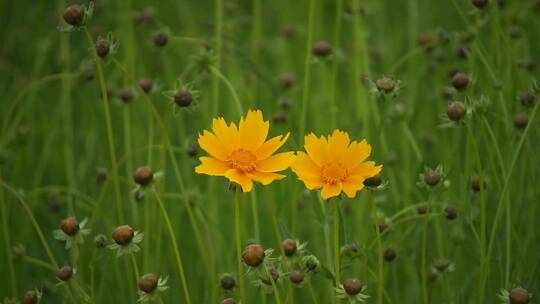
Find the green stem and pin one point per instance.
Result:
(237, 101)
(337, 32)
(380, 262)
(219, 42)
(135, 268)
(337, 247)
(255, 212)
(424, 267)
(237, 221)
(7, 244)
(307, 71)
(108, 122)
(175, 248)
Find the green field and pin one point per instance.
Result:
(188, 151)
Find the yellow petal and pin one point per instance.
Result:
(271, 146)
(303, 163)
(228, 135)
(366, 170)
(240, 178)
(253, 130)
(265, 178)
(277, 162)
(212, 145)
(212, 166)
(330, 190)
(356, 153)
(337, 144)
(312, 183)
(353, 185)
(317, 149)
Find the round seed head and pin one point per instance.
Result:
(373, 181)
(519, 296)
(475, 184)
(183, 98)
(322, 49)
(229, 301)
(432, 178)
(279, 117)
(65, 273)
(143, 176)
(227, 282)
(527, 99)
(422, 210)
(30, 297)
(192, 151)
(287, 80)
(451, 213)
(253, 255)
(289, 31)
(101, 177)
(100, 241)
(289, 247)
(389, 254)
(441, 264)
(126, 95)
(385, 84)
(521, 120)
(460, 81)
(274, 274)
(74, 15)
(480, 3)
(123, 235)
(70, 226)
(102, 48)
(146, 85)
(296, 276)
(426, 40)
(352, 286)
(160, 39)
(456, 111)
(148, 282)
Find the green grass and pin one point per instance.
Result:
(59, 127)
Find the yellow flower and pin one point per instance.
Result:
(335, 165)
(242, 153)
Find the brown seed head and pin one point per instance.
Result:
(274, 274)
(70, 226)
(143, 176)
(183, 98)
(322, 49)
(389, 254)
(123, 235)
(148, 282)
(102, 48)
(373, 181)
(451, 213)
(385, 84)
(480, 3)
(160, 39)
(456, 111)
(74, 15)
(521, 120)
(460, 81)
(65, 273)
(287, 80)
(146, 85)
(475, 184)
(289, 247)
(519, 296)
(126, 95)
(527, 99)
(441, 264)
(352, 286)
(432, 178)
(30, 297)
(296, 276)
(227, 282)
(253, 255)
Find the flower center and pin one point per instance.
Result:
(333, 173)
(242, 160)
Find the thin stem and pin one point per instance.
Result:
(307, 71)
(237, 221)
(108, 123)
(337, 32)
(7, 244)
(255, 212)
(273, 283)
(380, 265)
(337, 247)
(424, 266)
(175, 248)
(135, 267)
(219, 42)
(237, 101)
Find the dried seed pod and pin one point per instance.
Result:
(352, 286)
(460, 81)
(253, 255)
(160, 39)
(70, 226)
(183, 98)
(373, 181)
(322, 49)
(289, 247)
(296, 276)
(143, 176)
(519, 296)
(123, 235)
(389, 254)
(228, 282)
(521, 120)
(456, 111)
(74, 15)
(148, 282)
(65, 273)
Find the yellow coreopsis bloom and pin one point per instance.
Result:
(335, 164)
(242, 153)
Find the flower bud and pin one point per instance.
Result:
(527, 99)
(183, 98)
(274, 276)
(100, 241)
(456, 111)
(227, 282)
(385, 84)
(287, 80)
(352, 286)
(70, 226)
(160, 39)
(148, 282)
(126, 95)
(74, 15)
(441, 264)
(451, 213)
(389, 254)
(123, 235)
(296, 276)
(101, 177)
(521, 120)
(432, 178)
(475, 184)
(30, 297)
(253, 255)
(146, 85)
(143, 176)
(289, 247)
(460, 81)
(65, 273)
(102, 48)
